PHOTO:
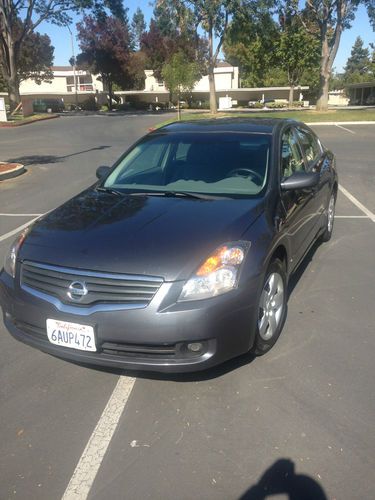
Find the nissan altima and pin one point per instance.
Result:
(178, 257)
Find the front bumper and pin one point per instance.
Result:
(152, 338)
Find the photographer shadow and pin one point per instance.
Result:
(281, 479)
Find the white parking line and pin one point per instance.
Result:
(357, 203)
(17, 230)
(20, 215)
(87, 468)
(352, 217)
(344, 128)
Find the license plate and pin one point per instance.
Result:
(71, 335)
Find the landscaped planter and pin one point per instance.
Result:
(9, 170)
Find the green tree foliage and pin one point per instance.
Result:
(329, 18)
(138, 27)
(358, 66)
(172, 30)
(272, 51)
(36, 58)
(297, 51)
(20, 18)
(213, 17)
(180, 75)
(250, 44)
(106, 50)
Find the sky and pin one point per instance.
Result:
(60, 37)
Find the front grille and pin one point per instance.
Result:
(140, 351)
(84, 288)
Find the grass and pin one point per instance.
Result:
(17, 120)
(309, 116)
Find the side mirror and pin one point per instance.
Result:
(102, 171)
(300, 180)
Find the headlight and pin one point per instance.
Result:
(11, 257)
(218, 274)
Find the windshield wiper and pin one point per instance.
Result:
(175, 194)
(102, 189)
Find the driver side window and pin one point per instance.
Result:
(291, 156)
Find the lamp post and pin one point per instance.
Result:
(74, 66)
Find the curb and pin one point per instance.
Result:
(29, 122)
(342, 123)
(12, 172)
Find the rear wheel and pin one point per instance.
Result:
(326, 236)
(271, 308)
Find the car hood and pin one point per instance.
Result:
(146, 235)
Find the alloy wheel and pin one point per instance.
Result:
(271, 306)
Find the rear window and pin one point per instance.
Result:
(210, 163)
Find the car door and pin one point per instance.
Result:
(298, 205)
(316, 160)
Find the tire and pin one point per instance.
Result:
(328, 228)
(271, 313)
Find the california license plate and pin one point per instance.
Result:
(71, 335)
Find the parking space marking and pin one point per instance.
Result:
(20, 215)
(352, 217)
(88, 465)
(344, 128)
(357, 203)
(17, 230)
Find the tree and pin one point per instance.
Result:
(164, 38)
(157, 48)
(250, 43)
(358, 65)
(20, 18)
(180, 76)
(105, 45)
(138, 27)
(213, 17)
(36, 59)
(296, 48)
(331, 18)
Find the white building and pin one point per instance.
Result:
(62, 85)
(228, 89)
(226, 78)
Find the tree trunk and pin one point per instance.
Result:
(109, 94)
(12, 80)
(291, 95)
(211, 74)
(325, 74)
(211, 80)
(322, 102)
(330, 45)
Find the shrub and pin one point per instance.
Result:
(89, 104)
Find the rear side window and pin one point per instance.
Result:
(310, 146)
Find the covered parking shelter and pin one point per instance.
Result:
(361, 94)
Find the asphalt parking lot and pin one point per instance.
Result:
(300, 419)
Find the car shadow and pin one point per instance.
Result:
(281, 479)
(31, 160)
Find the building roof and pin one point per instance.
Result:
(359, 85)
(223, 64)
(62, 68)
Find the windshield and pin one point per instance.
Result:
(208, 163)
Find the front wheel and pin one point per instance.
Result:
(326, 236)
(271, 308)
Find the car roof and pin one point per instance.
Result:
(247, 125)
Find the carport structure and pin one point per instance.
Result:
(362, 93)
